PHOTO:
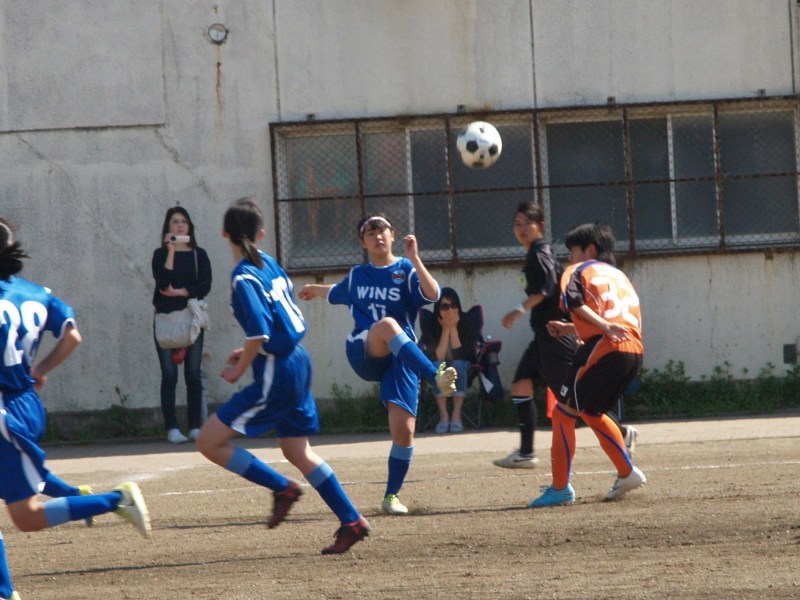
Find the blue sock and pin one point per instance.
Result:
(6, 588)
(408, 352)
(324, 480)
(56, 488)
(248, 466)
(399, 463)
(75, 508)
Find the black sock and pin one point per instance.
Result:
(526, 410)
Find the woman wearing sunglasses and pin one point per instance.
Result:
(455, 343)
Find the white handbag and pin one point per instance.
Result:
(180, 328)
(174, 329)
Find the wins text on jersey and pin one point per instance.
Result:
(378, 293)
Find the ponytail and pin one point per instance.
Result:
(250, 251)
(242, 222)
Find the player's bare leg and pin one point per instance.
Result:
(354, 527)
(214, 442)
(386, 336)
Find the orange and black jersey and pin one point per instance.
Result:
(606, 291)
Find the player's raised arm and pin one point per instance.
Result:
(430, 287)
(314, 290)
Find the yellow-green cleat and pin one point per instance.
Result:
(391, 505)
(446, 379)
(132, 508)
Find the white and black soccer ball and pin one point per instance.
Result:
(479, 144)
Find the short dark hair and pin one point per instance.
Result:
(601, 236)
(532, 210)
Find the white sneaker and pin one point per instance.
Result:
(132, 508)
(174, 436)
(625, 484)
(630, 439)
(515, 460)
(194, 434)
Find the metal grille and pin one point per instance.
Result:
(704, 176)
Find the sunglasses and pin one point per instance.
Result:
(445, 306)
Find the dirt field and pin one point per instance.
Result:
(719, 518)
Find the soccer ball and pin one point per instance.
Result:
(479, 144)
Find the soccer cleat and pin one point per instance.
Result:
(631, 434)
(446, 379)
(622, 485)
(132, 508)
(347, 535)
(283, 502)
(174, 436)
(554, 497)
(392, 506)
(86, 490)
(516, 460)
(15, 596)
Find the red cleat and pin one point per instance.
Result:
(347, 535)
(283, 502)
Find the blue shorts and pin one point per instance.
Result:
(22, 423)
(280, 399)
(398, 383)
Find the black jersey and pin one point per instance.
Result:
(542, 272)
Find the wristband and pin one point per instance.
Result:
(520, 308)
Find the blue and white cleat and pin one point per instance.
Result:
(554, 497)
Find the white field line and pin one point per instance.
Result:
(498, 475)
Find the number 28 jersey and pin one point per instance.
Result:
(373, 293)
(263, 303)
(26, 310)
(606, 291)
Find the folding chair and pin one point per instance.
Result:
(483, 369)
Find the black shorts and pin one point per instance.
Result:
(547, 360)
(595, 388)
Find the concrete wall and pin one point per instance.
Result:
(111, 111)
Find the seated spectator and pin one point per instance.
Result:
(452, 339)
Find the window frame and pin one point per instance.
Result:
(630, 242)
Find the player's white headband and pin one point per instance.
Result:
(372, 220)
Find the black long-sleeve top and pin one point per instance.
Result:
(183, 275)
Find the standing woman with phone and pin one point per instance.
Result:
(182, 271)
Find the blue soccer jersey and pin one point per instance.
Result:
(26, 310)
(373, 293)
(263, 303)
